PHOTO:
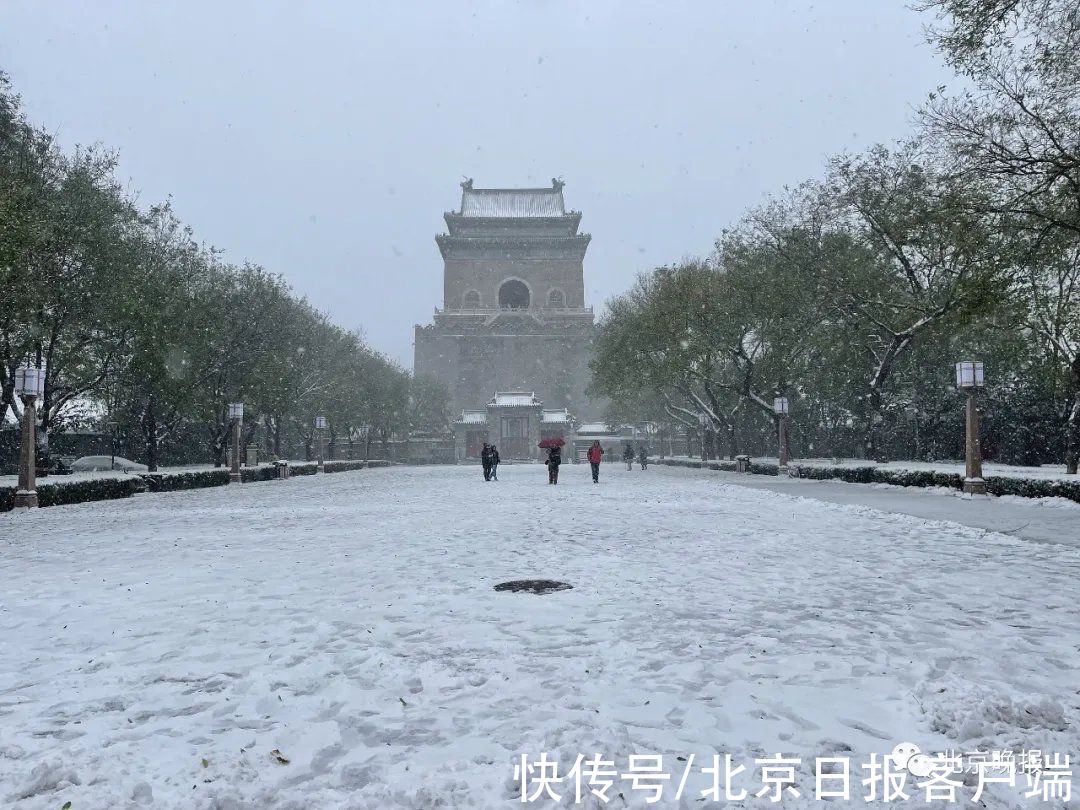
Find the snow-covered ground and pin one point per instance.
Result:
(1047, 520)
(336, 641)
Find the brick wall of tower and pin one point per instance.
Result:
(473, 366)
(486, 275)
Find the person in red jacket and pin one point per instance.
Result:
(596, 452)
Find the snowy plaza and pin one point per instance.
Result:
(336, 641)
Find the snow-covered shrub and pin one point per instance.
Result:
(267, 472)
(995, 485)
(169, 482)
(343, 466)
(1033, 487)
(64, 492)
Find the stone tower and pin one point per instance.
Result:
(513, 315)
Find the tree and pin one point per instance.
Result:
(429, 406)
(1019, 126)
(924, 258)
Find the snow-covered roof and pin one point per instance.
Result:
(512, 202)
(596, 427)
(560, 416)
(473, 417)
(514, 399)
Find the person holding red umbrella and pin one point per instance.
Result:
(554, 457)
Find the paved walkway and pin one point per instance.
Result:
(1052, 520)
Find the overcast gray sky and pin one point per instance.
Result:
(324, 140)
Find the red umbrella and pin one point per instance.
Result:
(556, 442)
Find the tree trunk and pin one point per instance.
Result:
(150, 435)
(41, 457)
(733, 445)
(7, 395)
(1072, 437)
(268, 437)
(871, 444)
(1072, 421)
(217, 447)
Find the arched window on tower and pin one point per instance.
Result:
(513, 294)
(556, 299)
(470, 300)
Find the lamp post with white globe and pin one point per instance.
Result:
(236, 415)
(29, 385)
(780, 408)
(320, 428)
(970, 378)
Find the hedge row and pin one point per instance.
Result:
(200, 479)
(104, 489)
(59, 494)
(995, 484)
(342, 466)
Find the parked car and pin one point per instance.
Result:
(61, 466)
(106, 463)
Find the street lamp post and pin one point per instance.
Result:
(320, 426)
(236, 414)
(29, 385)
(969, 379)
(780, 408)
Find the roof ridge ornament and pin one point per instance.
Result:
(557, 183)
(467, 184)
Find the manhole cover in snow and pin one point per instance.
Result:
(533, 586)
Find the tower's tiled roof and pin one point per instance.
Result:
(512, 202)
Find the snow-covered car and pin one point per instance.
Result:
(107, 463)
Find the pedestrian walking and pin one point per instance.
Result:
(494, 463)
(595, 454)
(628, 456)
(643, 457)
(554, 459)
(485, 460)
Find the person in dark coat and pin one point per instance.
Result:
(595, 454)
(554, 459)
(628, 456)
(642, 456)
(485, 461)
(494, 463)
